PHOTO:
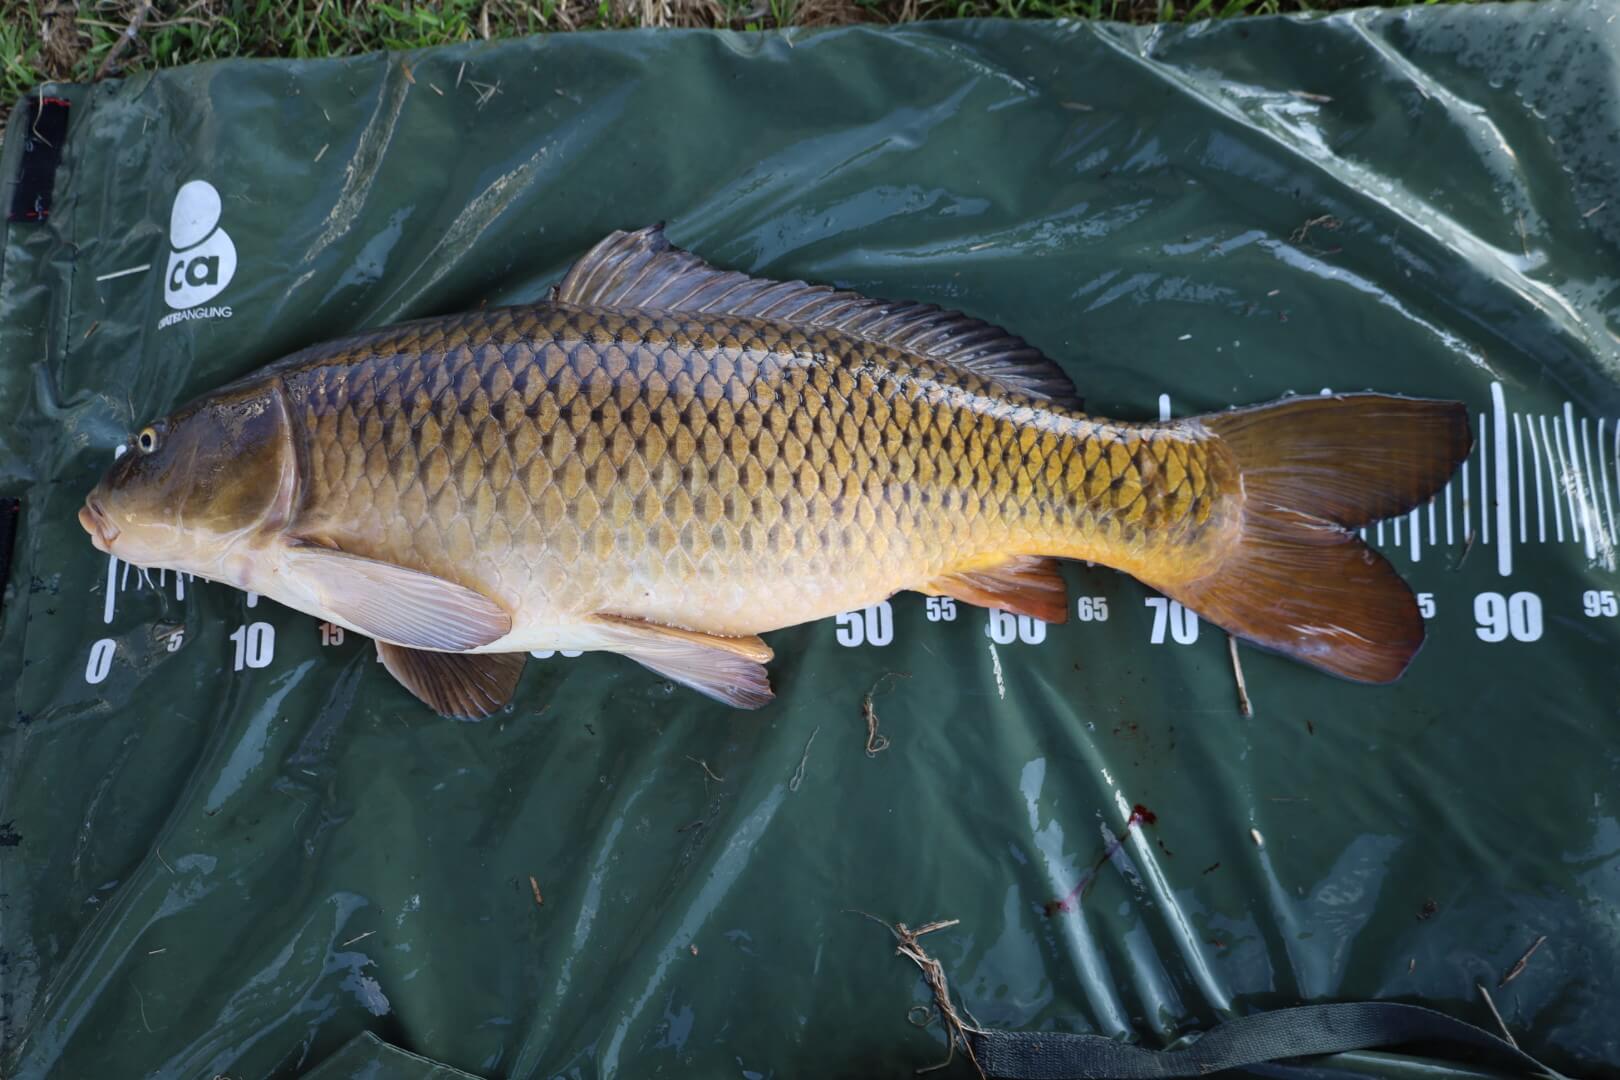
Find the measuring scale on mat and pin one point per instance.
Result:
(1534, 482)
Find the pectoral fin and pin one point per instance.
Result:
(1024, 585)
(394, 604)
(728, 669)
(466, 685)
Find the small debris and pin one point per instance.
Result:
(1273, 292)
(1326, 222)
(406, 69)
(1430, 907)
(124, 273)
(358, 937)
(981, 247)
(1306, 95)
(155, 952)
(90, 331)
(798, 774)
(322, 151)
(435, 89)
(1211, 868)
(1506, 1034)
(693, 948)
(1245, 707)
(1077, 106)
(1518, 965)
(691, 825)
(486, 91)
(460, 71)
(1259, 841)
(1411, 964)
(704, 765)
(876, 743)
(1595, 209)
(534, 886)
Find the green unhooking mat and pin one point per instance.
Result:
(233, 846)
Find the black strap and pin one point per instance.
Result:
(1250, 1040)
(10, 509)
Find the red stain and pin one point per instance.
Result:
(1140, 815)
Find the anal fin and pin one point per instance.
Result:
(469, 686)
(728, 669)
(1025, 585)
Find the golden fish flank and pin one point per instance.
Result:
(665, 460)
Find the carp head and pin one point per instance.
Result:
(191, 489)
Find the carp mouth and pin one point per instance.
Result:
(95, 521)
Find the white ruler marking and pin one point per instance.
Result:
(1432, 539)
(112, 589)
(1504, 504)
(1603, 469)
(1594, 515)
(1579, 494)
(1412, 527)
(1451, 537)
(1484, 477)
(1467, 504)
(1564, 485)
(1518, 447)
(1552, 470)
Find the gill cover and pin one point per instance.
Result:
(217, 469)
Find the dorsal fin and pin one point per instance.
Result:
(642, 270)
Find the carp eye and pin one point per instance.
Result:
(147, 440)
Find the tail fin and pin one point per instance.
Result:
(1314, 468)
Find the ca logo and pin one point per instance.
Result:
(204, 258)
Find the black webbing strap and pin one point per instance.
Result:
(1251, 1040)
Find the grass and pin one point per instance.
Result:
(78, 40)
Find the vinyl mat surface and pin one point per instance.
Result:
(232, 845)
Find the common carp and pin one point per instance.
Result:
(665, 460)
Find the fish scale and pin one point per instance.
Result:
(572, 460)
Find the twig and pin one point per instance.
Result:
(539, 901)
(798, 774)
(875, 743)
(1596, 208)
(123, 41)
(162, 860)
(1518, 965)
(956, 1030)
(1244, 705)
(351, 941)
(1506, 1034)
(704, 765)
